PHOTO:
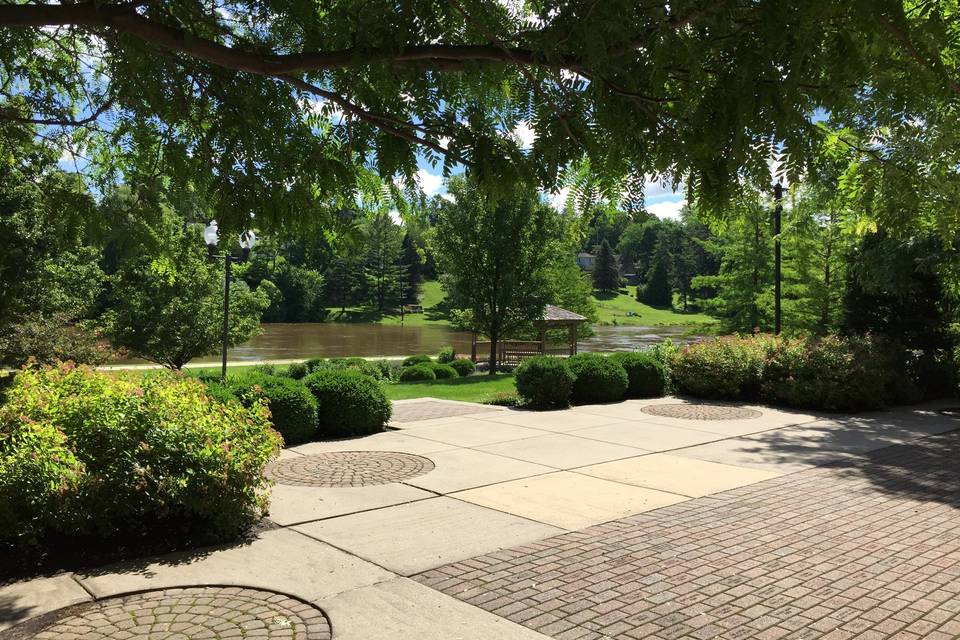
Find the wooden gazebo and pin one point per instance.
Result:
(514, 351)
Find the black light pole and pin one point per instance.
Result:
(211, 236)
(777, 212)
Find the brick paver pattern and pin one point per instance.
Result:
(428, 410)
(701, 411)
(194, 613)
(348, 468)
(867, 549)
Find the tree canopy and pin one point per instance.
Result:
(286, 108)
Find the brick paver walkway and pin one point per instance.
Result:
(430, 409)
(866, 550)
(193, 613)
(688, 411)
(348, 468)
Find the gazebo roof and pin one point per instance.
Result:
(556, 315)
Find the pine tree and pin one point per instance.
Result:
(413, 271)
(606, 275)
(657, 291)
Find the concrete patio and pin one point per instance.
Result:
(640, 519)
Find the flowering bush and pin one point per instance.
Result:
(726, 368)
(89, 453)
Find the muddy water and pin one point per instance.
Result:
(328, 340)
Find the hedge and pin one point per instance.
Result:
(545, 382)
(89, 453)
(598, 378)
(646, 377)
(351, 403)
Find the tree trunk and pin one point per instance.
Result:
(494, 338)
(825, 309)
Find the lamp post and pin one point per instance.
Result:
(777, 213)
(211, 236)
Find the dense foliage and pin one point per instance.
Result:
(598, 378)
(418, 373)
(293, 409)
(545, 382)
(444, 371)
(493, 251)
(835, 373)
(410, 361)
(350, 403)
(463, 366)
(87, 453)
(645, 374)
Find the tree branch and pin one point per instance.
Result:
(13, 116)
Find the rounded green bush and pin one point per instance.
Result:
(87, 453)
(728, 368)
(293, 409)
(447, 355)
(415, 360)
(418, 373)
(351, 404)
(543, 381)
(645, 374)
(444, 371)
(297, 370)
(313, 364)
(598, 378)
(463, 366)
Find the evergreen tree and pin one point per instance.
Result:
(342, 281)
(744, 284)
(606, 275)
(382, 261)
(656, 291)
(413, 270)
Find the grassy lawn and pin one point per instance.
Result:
(471, 389)
(615, 309)
(432, 300)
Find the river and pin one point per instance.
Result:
(333, 339)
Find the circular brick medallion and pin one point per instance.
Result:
(701, 411)
(348, 468)
(191, 613)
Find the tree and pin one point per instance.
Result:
(410, 261)
(656, 290)
(238, 108)
(342, 281)
(744, 284)
(169, 309)
(381, 265)
(493, 248)
(606, 275)
(637, 244)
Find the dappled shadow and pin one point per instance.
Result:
(11, 612)
(910, 453)
(99, 556)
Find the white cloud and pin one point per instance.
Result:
(449, 197)
(667, 208)
(524, 134)
(429, 182)
(775, 167)
(317, 106)
(444, 141)
(558, 200)
(395, 216)
(655, 188)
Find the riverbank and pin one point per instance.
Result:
(622, 309)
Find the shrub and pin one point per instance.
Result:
(88, 453)
(935, 374)
(313, 364)
(833, 373)
(297, 370)
(543, 381)
(463, 366)
(52, 338)
(645, 374)
(350, 403)
(444, 371)
(447, 355)
(293, 409)
(266, 369)
(361, 365)
(418, 373)
(415, 360)
(598, 378)
(722, 368)
(503, 399)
